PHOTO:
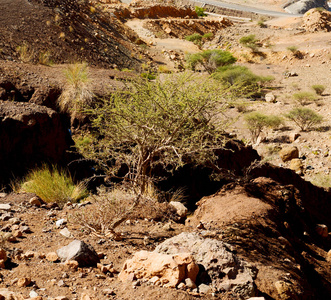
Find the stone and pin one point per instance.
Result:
(181, 286)
(109, 292)
(33, 294)
(190, 283)
(5, 294)
(215, 258)
(66, 233)
(170, 269)
(297, 166)
(293, 136)
(3, 254)
(102, 268)
(284, 290)
(328, 256)
(17, 233)
(79, 251)
(24, 281)
(5, 206)
(270, 98)
(60, 222)
(322, 230)
(35, 201)
(204, 289)
(29, 254)
(85, 296)
(180, 208)
(52, 256)
(288, 153)
(71, 264)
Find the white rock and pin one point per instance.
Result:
(180, 208)
(66, 233)
(5, 206)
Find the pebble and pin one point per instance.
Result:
(22, 282)
(5, 206)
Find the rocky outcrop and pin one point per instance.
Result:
(219, 266)
(302, 6)
(317, 20)
(29, 135)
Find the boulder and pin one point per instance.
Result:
(317, 20)
(289, 153)
(6, 294)
(168, 270)
(180, 208)
(221, 266)
(297, 166)
(270, 98)
(29, 134)
(77, 250)
(302, 6)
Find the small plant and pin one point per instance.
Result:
(305, 118)
(25, 53)
(241, 81)
(164, 69)
(45, 58)
(250, 42)
(210, 59)
(52, 184)
(199, 39)
(208, 36)
(261, 23)
(76, 93)
(200, 11)
(295, 51)
(148, 75)
(257, 122)
(304, 98)
(318, 88)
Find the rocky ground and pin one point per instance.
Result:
(264, 234)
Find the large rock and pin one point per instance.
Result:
(302, 6)
(317, 20)
(77, 250)
(29, 134)
(289, 153)
(163, 269)
(222, 267)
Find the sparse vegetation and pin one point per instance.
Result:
(25, 53)
(157, 122)
(76, 92)
(199, 39)
(304, 98)
(240, 81)
(305, 118)
(210, 59)
(45, 58)
(295, 51)
(256, 122)
(200, 11)
(249, 41)
(52, 184)
(318, 88)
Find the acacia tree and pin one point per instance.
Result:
(165, 121)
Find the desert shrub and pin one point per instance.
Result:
(110, 205)
(304, 98)
(257, 122)
(241, 81)
(200, 11)
(148, 75)
(45, 58)
(261, 23)
(250, 42)
(77, 92)
(156, 122)
(198, 39)
(25, 53)
(208, 36)
(295, 51)
(52, 184)
(210, 59)
(305, 118)
(318, 88)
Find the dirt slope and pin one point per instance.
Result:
(69, 30)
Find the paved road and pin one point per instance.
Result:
(247, 8)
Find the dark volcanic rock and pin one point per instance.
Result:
(29, 135)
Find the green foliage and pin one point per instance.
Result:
(293, 49)
(200, 11)
(53, 185)
(257, 122)
(156, 122)
(25, 53)
(304, 98)
(241, 81)
(45, 58)
(198, 39)
(318, 88)
(148, 75)
(305, 118)
(210, 59)
(250, 42)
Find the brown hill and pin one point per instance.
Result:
(66, 30)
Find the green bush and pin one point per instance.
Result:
(53, 185)
(304, 98)
(305, 118)
(210, 59)
(318, 88)
(200, 11)
(198, 39)
(257, 122)
(241, 81)
(250, 42)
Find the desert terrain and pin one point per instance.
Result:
(251, 225)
